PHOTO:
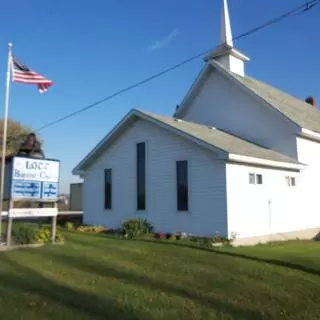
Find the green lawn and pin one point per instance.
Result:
(95, 277)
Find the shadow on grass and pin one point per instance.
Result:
(181, 244)
(104, 270)
(95, 307)
(275, 262)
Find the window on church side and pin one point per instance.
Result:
(182, 185)
(259, 178)
(141, 176)
(255, 178)
(107, 188)
(291, 181)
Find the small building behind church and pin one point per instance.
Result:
(238, 158)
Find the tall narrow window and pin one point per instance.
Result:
(141, 176)
(182, 185)
(107, 188)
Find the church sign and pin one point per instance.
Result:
(32, 212)
(34, 179)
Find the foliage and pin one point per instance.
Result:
(208, 242)
(95, 229)
(136, 227)
(63, 219)
(43, 235)
(23, 233)
(69, 225)
(202, 241)
(16, 134)
(28, 233)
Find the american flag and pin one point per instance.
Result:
(21, 73)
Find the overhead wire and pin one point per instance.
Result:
(306, 6)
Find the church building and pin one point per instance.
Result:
(239, 158)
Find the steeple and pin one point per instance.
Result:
(232, 59)
(225, 31)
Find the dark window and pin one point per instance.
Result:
(107, 188)
(141, 176)
(182, 185)
(255, 178)
(259, 178)
(291, 181)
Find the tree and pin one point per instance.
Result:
(16, 134)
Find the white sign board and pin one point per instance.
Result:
(32, 212)
(35, 169)
(34, 179)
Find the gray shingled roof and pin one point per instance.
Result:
(298, 111)
(222, 140)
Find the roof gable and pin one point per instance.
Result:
(291, 108)
(218, 141)
(298, 111)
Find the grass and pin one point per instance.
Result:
(98, 277)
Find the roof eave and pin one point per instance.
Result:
(267, 163)
(254, 94)
(310, 134)
(187, 98)
(80, 168)
(215, 65)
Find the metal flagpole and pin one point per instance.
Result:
(4, 135)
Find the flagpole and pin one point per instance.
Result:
(4, 135)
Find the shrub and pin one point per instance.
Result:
(136, 227)
(60, 237)
(62, 219)
(22, 234)
(69, 225)
(96, 229)
(43, 235)
(29, 234)
(202, 241)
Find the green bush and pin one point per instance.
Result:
(43, 235)
(23, 234)
(94, 228)
(136, 227)
(30, 234)
(202, 241)
(69, 225)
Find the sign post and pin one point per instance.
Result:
(32, 179)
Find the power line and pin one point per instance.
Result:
(306, 6)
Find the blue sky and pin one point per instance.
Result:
(93, 48)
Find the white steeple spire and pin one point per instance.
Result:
(225, 31)
(230, 58)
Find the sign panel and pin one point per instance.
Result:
(35, 179)
(26, 189)
(49, 190)
(35, 169)
(32, 212)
